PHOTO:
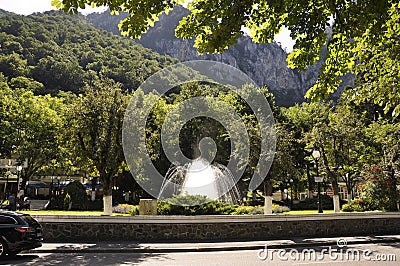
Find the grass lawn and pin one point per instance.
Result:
(58, 212)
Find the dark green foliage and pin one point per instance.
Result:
(248, 210)
(96, 205)
(380, 190)
(134, 211)
(358, 205)
(64, 52)
(311, 204)
(193, 205)
(78, 195)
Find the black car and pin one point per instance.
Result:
(18, 232)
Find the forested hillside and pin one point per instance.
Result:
(53, 51)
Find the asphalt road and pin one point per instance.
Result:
(364, 254)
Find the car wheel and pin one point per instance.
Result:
(3, 248)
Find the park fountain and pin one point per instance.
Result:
(199, 177)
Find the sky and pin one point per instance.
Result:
(27, 7)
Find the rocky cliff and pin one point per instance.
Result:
(264, 63)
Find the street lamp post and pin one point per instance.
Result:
(287, 192)
(51, 187)
(19, 169)
(8, 173)
(51, 194)
(291, 193)
(58, 181)
(316, 155)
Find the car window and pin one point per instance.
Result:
(7, 220)
(30, 220)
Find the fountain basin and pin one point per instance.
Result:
(216, 227)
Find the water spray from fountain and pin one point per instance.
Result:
(200, 177)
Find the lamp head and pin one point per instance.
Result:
(316, 154)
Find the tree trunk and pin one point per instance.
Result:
(254, 197)
(107, 194)
(334, 181)
(268, 187)
(107, 201)
(268, 196)
(336, 199)
(107, 180)
(268, 205)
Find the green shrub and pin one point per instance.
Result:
(359, 205)
(67, 202)
(78, 195)
(279, 209)
(126, 209)
(258, 210)
(380, 190)
(242, 210)
(192, 205)
(163, 208)
(134, 211)
(188, 200)
(206, 207)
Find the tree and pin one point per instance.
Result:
(385, 136)
(345, 28)
(300, 121)
(30, 128)
(94, 123)
(379, 192)
(37, 126)
(13, 65)
(344, 151)
(378, 65)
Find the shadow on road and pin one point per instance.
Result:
(81, 259)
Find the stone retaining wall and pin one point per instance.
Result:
(213, 228)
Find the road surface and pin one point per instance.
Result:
(361, 254)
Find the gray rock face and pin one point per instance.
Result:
(264, 63)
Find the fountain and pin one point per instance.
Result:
(199, 177)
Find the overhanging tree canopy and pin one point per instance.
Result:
(346, 27)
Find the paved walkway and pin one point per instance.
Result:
(136, 247)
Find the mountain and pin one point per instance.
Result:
(264, 63)
(52, 51)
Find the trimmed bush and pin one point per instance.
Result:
(208, 207)
(126, 209)
(359, 205)
(279, 209)
(78, 195)
(192, 205)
